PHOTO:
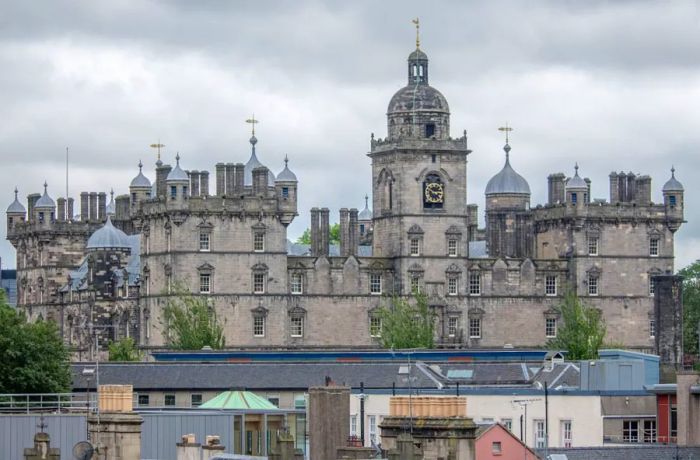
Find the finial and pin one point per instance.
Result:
(16, 192)
(111, 193)
(158, 146)
(673, 174)
(177, 158)
(140, 166)
(507, 129)
(417, 24)
(366, 200)
(576, 168)
(286, 160)
(45, 185)
(252, 121)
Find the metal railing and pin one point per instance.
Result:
(57, 403)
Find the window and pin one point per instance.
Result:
(475, 283)
(672, 200)
(652, 328)
(258, 283)
(452, 286)
(508, 423)
(297, 327)
(375, 326)
(170, 400)
(173, 192)
(566, 434)
(415, 247)
(649, 434)
(274, 399)
(430, 127)
(550, 285)
(540, 439)
(184, 191)
(353, 425)
(592, 284)
(452, 326)
(654, 247)
(433, 157)
(630, 431)
(362, 229)
(144, 400)
(574, 198)
(674, 421)
(285, 192)
(375, 283)
(496, 447)
(196, 400)
(372, 430)
(204, 283)
(452, 248)
(259, 326)
(652, 285)
(297, 283)
(475, 328)
(592, 245)
(133, 198)
(259, 242)
(41, 217)
(550, 327)
(203, 241)
(415, 283)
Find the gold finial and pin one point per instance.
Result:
(252, 121)
(158, 146)
(506, 129)
(417, 24)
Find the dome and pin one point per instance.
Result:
(576, 182)
(672, 185)
(177, 174)
(418, 55)
(418, 97)
(286, 175)
(365, 214)
(140, 180)
(507, 181)
(16, 207)
(108, 236)
(253, 163)
(45, 201)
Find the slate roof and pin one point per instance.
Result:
(641, 452)
(507, 180)
(140, 180)
(16, 206)
(418, 98)
(108, 236)
(673, 185)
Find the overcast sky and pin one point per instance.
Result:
(610, 85)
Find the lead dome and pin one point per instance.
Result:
(108, 237)
(507, 181)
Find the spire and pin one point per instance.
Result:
(366, 200)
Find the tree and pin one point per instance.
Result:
(334, 235)
(583, 329)
(407, 323)
(124, 350)
(190, 322)
(33, 358)
(691, 306)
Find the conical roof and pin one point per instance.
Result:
(286, 175)
(108, 236)
(16, 207)
(671, 185)
(140, 180)
(253, 163)
(177, 174)
(45, 201)
(576, 182)
(238, 400)
(365, 214)
(507, 181)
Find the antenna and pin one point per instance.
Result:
(67, 174)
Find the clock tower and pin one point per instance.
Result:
(419, 181)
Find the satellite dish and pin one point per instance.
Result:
(83, 451)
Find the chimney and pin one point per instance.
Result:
(194, 183)
(69, 210)
(84, 206)
(204, 183)
(32, 198)
(631, 187)
(260, 180)
(344, 232)
(212, 447)
(315, 236)
(325, 231)
(239, 181)
(121, 204)
(161, 175)
(230, 179)
(614, 188)
(354, 232)
(472, 220)
(188, 448)
(92, 211)
(556, 188)
(643, 186)
(588, 192)
(61, 204)
(102, 206)
(220, 179)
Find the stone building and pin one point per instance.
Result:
(489, 287)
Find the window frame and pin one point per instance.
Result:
(375, 284)
(192, 399)
(452, 247)
(452, 285)
(593, 285)
(259, 241)
(259, 326)
(550, 285)
(146, 397)
(207, 277)
(475, 283)
(593, 244)
(452, 326)
(496, 448)
(475, 331)
(567, 433)
(550, 324)
(414, 247)
(296, 284)
(202, 237)
(375, 326)
(540, 433)
(296, 326)
(654, 246)
(649, 434)
(630, 434)
(258, 283)
(167, 397)
(652, 328)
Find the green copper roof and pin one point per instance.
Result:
(238, 400)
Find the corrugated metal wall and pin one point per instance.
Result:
(17, 432)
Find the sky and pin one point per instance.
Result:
(611, 85)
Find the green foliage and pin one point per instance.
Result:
(334, 236)
(407, 323)
(124, 350)
(190, 323)
(691, 306)
(33, 358)
(583, 329)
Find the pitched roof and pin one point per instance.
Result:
(642, 452)
(238, 399)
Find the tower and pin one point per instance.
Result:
(419, 184)
(673, 201)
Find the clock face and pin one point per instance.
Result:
(434, 193)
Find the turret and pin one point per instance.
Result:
(16, 214)
(673, 201)
(577, 190)
(177, 184)
(364, 220)
(44, 209)
(139, 189)
(286, 191)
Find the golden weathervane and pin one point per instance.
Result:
(158, 146)
(253, 121)
(506, 129)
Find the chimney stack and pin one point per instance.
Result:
(556, 188)
(204, 183)
(354, 232)
(325, 231)
(61, 206)
(344, 232)
(161, 176)
(220, 179)
(69, 210)
(230, 179)
(315, 236)
(84, 206)
(92, 211)
(102, 206)
(194, 183)
(260, 180)
(239, 178)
